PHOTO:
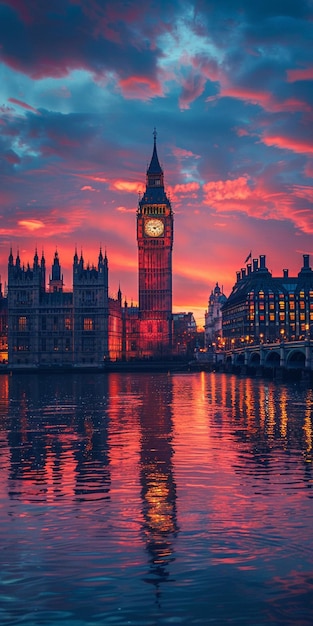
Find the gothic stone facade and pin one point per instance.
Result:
(53, 327)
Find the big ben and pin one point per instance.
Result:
(155, 244)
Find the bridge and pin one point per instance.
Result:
(289, 355)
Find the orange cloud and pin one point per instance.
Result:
(31, 224)
(127, 185)
(88, 188)
(123, 209)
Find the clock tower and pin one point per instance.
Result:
(155, 244)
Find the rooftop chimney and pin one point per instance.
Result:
(262, 262)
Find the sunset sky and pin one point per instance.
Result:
(228, 86)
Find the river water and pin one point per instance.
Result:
(155, 499)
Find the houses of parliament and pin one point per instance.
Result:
(43, 325)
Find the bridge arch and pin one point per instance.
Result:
(295, 359)
(240, 358)
(272, 358)
(254, 358)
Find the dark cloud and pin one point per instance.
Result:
(98, 37)
(228, 86)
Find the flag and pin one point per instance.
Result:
(248, 257)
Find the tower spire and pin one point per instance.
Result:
(154, 172)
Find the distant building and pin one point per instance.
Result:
(213, 318)
(263, 308)
(184, 333)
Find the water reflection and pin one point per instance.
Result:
(158, 489)
(58, 438)
(155, 499)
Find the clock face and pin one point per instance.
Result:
(154, 228)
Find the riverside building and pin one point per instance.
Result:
(262, 308)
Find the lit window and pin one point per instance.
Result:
(68, 323)
(22, 323)
(88, 323)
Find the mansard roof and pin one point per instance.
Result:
(260, 279)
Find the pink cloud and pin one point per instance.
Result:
(140, 87)
(217, 191)
(309, 169)
(258, 200)
(303, 191)
(302, 146)
(24, 105)
(184, 189)
(300, 74)
(264, 99)
(123, 209)
(12, 157)
(96, 178)
(180, 153)
(192, 87)
(242, 132)
(208, 67)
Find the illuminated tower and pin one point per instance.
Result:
(155, 244)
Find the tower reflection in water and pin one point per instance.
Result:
(158, 489)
